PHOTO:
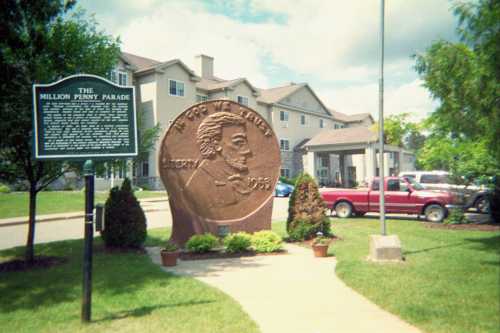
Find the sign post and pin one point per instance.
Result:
(84, 117)
(88, 171)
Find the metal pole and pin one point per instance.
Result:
(88, 171)
(381, 121)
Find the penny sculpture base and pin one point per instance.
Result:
(185, 224)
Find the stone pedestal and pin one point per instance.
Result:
(385, 248)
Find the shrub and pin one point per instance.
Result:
(202, 243)
(170, 247)
(4, 188)
(238, 242)
(306, 211)
(456, 216)
(266, 241)
(125, 222)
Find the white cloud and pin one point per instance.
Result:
(407, 98)
(336, 42)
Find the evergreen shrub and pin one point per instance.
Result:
(125, 221)
(306, 211)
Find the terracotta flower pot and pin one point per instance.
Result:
(320, 250)
(169, 258)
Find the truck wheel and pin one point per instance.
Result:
(343, 209)
(482, 205)
(435, 213)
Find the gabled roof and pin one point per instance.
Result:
(136, 62)
(349, 135)
(350, 118)
(141, 65)
(276, 95)
(219, 84)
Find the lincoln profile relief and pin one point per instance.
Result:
(219, 161)
(219, 181)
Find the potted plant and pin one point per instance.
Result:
(169, 255)
(320, 245)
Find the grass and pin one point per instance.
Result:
(130, 294)
(16, 204)
(449, 281)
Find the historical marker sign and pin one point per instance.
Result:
(220, 162)
(84, 116)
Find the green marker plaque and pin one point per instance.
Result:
(84, 117)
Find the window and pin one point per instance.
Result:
(409, 176)
(119, 77)
(176, 88)
(201, 98)
(113, 76)
(434, 179)
(283, 116)
(321, 123)
(285, 173)
(336, 126)
(284, 145)
(393, 185)
(403, 186)
(324, 161)
(145, 169)
(302, 119)
(375, 185)
(243, 100)
(122, 78)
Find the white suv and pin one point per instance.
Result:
(475, 196)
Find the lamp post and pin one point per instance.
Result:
(381, 122)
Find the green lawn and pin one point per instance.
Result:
(130, 294)
(450, 281)
(16, 204)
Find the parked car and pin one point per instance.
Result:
(402, 195)
(476, 196)
(283, 189)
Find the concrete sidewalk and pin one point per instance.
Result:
(148, 204)
(292, 293)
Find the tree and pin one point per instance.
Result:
(465, 78)
(400, 131)
(40, 42)
(306, 210)
(125, 219)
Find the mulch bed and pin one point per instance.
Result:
(224, 255)
(40, 262)
(309, 242)
(470, 226)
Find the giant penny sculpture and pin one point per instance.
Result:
(219, 162)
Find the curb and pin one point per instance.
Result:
(69, 216)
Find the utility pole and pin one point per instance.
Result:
(381, 122)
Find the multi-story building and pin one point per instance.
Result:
(333, 146)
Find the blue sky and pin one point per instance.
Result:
(333, 45)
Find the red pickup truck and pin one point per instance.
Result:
(401, 196)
